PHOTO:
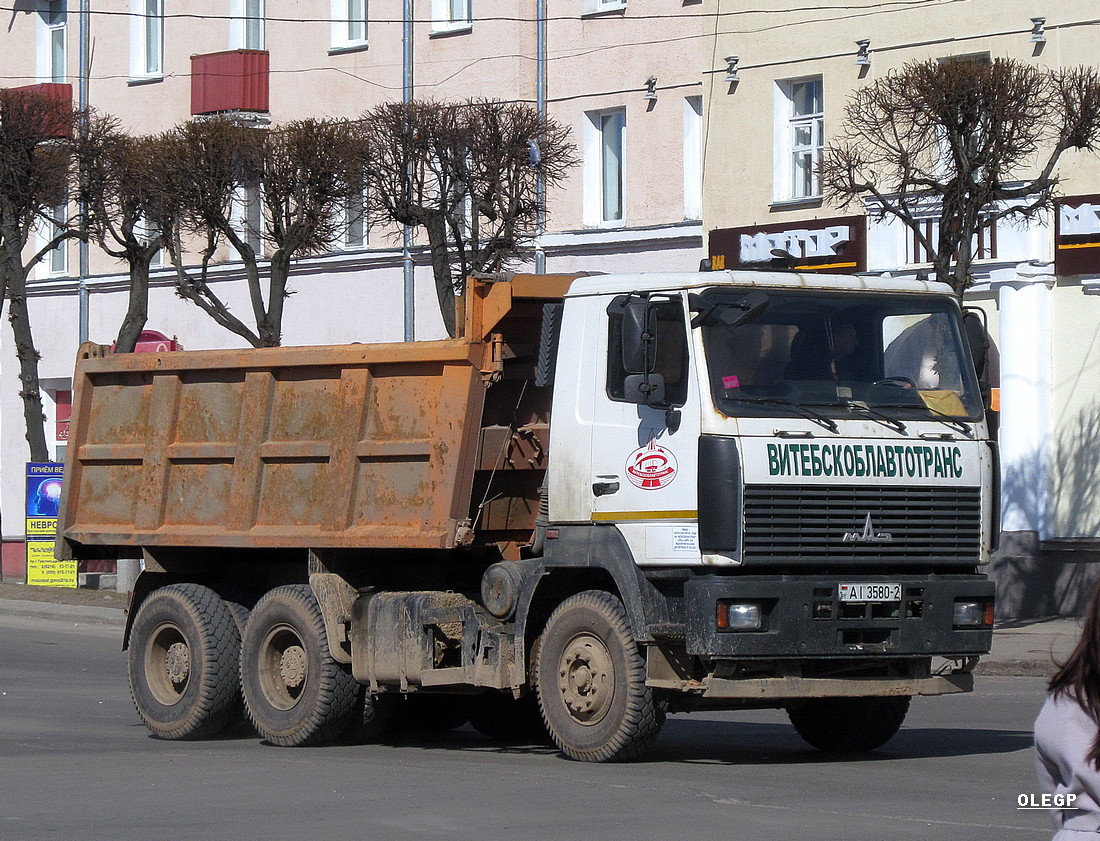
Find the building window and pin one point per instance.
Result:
(147, 39)
(604, 165)
(146, 232)
(801, 138)
(983, 245)
(246, 25)
(248, 220)
(693, 157)
(349, 24)
(451, 15)
(355, 222)
(594, 7)
(55, 262)
(51, 41)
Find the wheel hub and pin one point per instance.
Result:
(177, 663)
(586, 679)
(292, 666)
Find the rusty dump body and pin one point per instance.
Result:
(424, 445)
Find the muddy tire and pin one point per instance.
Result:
(848, 725)
(295, 693)
(590, 682)
(183, 660)
(503, 718)
(240, 617)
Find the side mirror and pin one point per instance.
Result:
(638, 341)
(748, 309)
(977, 337)
(647, 390)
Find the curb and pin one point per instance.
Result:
(78, 614)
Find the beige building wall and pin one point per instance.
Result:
(775, 45)
(601, 55)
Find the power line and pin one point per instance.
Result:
(624, 16)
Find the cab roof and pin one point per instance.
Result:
(614, 284)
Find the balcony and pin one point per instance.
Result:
(233, 81)
(60, 122)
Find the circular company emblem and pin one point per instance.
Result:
(651, 467)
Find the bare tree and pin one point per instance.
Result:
(126, 208)
(466, 173)
(964, 143)
(35, 166)
(301, 175)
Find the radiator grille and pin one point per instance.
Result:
(792, 523)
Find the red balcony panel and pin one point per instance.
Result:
(60, 124)
(235, 80)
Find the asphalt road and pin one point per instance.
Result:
(75, 764)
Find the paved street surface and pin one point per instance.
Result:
(76, 763)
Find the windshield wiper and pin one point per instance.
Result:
(885, 420)
(939, 417)
(807, 413)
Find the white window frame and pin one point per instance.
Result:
(145, 231)
(247, 218)
(349, 24)
(596, 169)
(248, 25)
(354, 234)
(788, 124)
(54, 263)
(595, 7)
(52, 31)
(452, 16)
(146, 39)
(693, 157)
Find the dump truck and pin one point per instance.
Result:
(610, 498)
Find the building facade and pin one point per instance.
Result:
(625, 75)
(775, 95)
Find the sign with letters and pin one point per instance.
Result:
(43, 501)
(1077, 235)
(837, 245)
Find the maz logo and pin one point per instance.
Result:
(868, 535)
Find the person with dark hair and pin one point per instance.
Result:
(1067, 736)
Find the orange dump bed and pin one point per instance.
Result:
(351, 446)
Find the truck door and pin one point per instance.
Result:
(644, 457)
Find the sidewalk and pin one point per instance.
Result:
(1033, 648)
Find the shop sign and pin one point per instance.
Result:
(837, 245)
(1077, 235)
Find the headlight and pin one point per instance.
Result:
(738, 616)
(973, 613)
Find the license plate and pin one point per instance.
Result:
(870, 592)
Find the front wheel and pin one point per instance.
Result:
(848, 725)
(182, 660)
(590, 681)
(295, 692)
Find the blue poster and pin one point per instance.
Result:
(44, 488)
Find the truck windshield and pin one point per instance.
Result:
(901, 355)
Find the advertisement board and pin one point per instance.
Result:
(43, 500)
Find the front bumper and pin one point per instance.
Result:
(804, 619)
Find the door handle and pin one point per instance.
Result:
(604, 488)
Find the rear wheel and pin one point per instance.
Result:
(183, 656)
(590, 682)
(295, 692)
(848, 725)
